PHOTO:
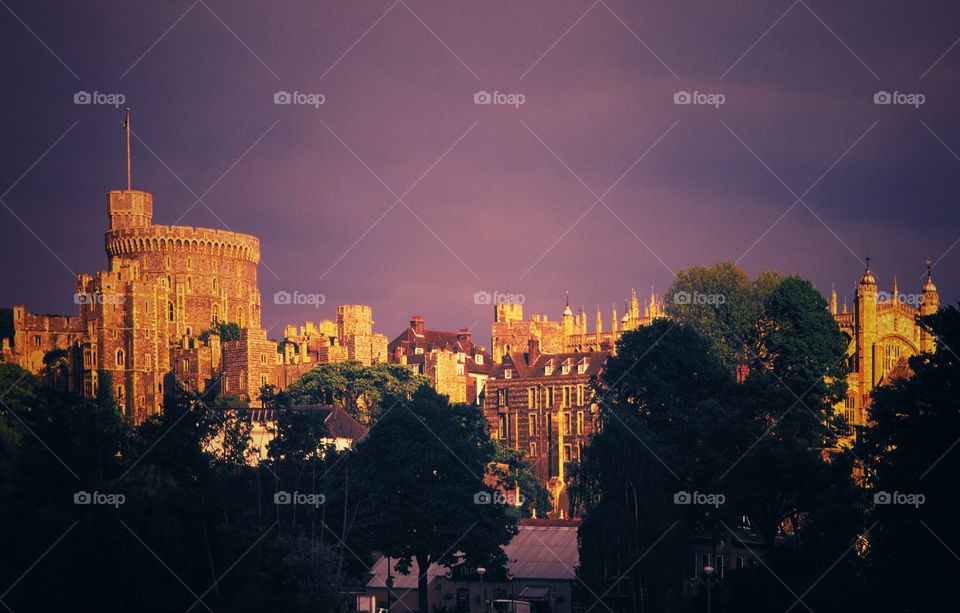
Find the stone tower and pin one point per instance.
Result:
(866, 322)
(929, 304)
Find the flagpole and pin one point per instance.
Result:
(126, 125)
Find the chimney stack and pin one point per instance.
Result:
(533, 351)
(416, 322)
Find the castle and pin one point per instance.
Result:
(511, 332)
(150, 320)
(882, 333)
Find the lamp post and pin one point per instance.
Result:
(481, 571)
(708, 570)
(389, 585)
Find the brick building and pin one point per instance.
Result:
(453, 364)
(542, 403)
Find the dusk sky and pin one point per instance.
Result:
(400, 192)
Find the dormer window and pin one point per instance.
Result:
(508, 373)
(582, 366)
(548, 369)
(565, 369)
(418, 351)
(478, 359)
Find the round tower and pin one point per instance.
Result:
(929, 305)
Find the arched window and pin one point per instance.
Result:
(215, 284)
(170, 311)
(240, 318)
(121, 362)
(215, 313)
(189, 284)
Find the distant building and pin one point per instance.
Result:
(882, 334)
(542, 558)
(510, 331)
(542, 403)
(350, 337)
(453, 364)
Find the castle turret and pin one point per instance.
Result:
(599, 321)
(866, 318)
(129, 209)
(833, 300)
(567, 320)
(929, 304)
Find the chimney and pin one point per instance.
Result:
(416, 322)
(533, 351)
(463, 335)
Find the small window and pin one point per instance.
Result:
(503, 398)
(36, 341)
(508, 373)
(579, 422)
(418, 351)
(532, 424)
(502, 430)
(533, 449)
(170, 311)
(478, 359)
(121, 362)
(548, 369)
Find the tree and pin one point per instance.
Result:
(424, 464)
(514, 470)
(228, 331)
(362, 391)
(914, 474)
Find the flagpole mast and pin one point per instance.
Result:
(126, 125)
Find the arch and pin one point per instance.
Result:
(120, 359)
(171, 311)
(215, 313)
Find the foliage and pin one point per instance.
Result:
(910, 450)
(429, 459)
(228, 331)
(514, 469)
(364, 392)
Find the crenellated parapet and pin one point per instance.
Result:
(132, 241)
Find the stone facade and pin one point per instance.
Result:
(349, 337)
(882, 332)
(570, 334)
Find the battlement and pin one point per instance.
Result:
(129, 208)
(143, 239)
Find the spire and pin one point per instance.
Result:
(614, 323)
(895, 292)
(868, 278)
(567, 311)
(833, 299)
(928, 285)
(599, 321)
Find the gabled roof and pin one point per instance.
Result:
(440, 340)
(517, 360)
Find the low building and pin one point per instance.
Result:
(541, 570)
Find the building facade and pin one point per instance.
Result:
(882, 333)
(510, 331)
(542, 403)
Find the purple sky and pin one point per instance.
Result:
(502, 196)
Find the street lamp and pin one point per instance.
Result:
(389, 585)
(708, 570)
(481, 571)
